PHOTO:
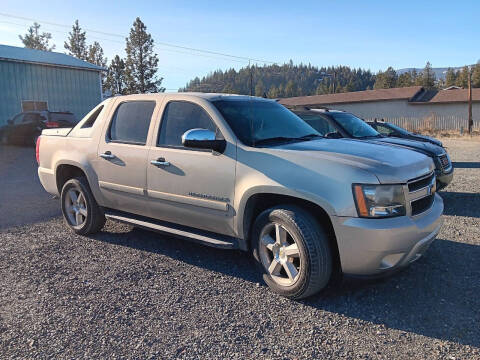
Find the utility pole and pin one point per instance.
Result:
(470, 119)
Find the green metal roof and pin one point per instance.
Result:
(14, 53)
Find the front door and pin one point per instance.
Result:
(122, 156)
(188, 186)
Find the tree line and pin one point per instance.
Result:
(426, 78)
(288, 80)
(137, 73)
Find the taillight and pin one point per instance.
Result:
(52, 124)
(37, 150)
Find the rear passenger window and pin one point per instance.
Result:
(91, 120)
(180, 116)
(131, 121)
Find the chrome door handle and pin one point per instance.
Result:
(107, 155)
(160, 162)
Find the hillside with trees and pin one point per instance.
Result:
(288, 80)
(284, 80)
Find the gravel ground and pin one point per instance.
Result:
(128, 293)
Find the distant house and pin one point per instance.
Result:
(411, 102)
(40, 80)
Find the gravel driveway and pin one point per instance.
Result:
(128, 293)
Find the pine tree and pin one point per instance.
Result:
(142, 63)
(405, 80)
(476, 76)
(76, 42)
(450, 77)
(115, 81)
(95, 56)
(428, 77)
(33, 39)
(386, 80)
(259, 88)
(462, 77)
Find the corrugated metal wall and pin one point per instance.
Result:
(64, 89)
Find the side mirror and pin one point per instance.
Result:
(203, 139)
(10, 121)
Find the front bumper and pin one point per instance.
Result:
(375, 246)
(443, 179)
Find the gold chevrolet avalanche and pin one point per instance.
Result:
(242, 172)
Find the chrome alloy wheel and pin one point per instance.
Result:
(76, 207)
(279, 254)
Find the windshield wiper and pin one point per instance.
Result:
(276, 139)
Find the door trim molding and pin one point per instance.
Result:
(189, 200)
(123, 188)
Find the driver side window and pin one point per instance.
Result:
(180, 116)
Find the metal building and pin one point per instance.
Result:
(44, 80)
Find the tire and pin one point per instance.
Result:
(84, 216)
(295, 272)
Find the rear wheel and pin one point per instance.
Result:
(80, 209)
(292, 251)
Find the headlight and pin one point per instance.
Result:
(378, 201)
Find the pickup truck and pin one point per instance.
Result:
(245, 173)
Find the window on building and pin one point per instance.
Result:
(180, 116)
(131, 121)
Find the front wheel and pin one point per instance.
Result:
(292, 251)
(80, 209)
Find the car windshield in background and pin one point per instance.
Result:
(354, 126)
(263, 122)
(398, 129)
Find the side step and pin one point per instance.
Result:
(200, 236)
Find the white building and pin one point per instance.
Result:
(449, 107)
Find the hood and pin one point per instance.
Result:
(426, 148)
(389, 164)
(427, 139)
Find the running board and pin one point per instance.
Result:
(200, 236)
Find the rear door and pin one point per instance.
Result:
(122, 155)
(195, 187)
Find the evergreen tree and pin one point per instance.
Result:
(462, 77)
(405, 80)
(76, 42)
(142, 63)
(476, 76)
(386, 80)
(33, 39)
(95, 56)
(450, 77)
(259, 88)
(115, 81)
(427, 77)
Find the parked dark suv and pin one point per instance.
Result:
(336, 124)
(26, 127)
(392, 130)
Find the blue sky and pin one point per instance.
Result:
(367, 34)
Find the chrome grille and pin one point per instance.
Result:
(421, 193)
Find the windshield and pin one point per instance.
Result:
(256, 121)
(398, 129)
(354, 126)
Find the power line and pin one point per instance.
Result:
(160, 43)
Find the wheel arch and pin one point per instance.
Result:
(258, 202)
